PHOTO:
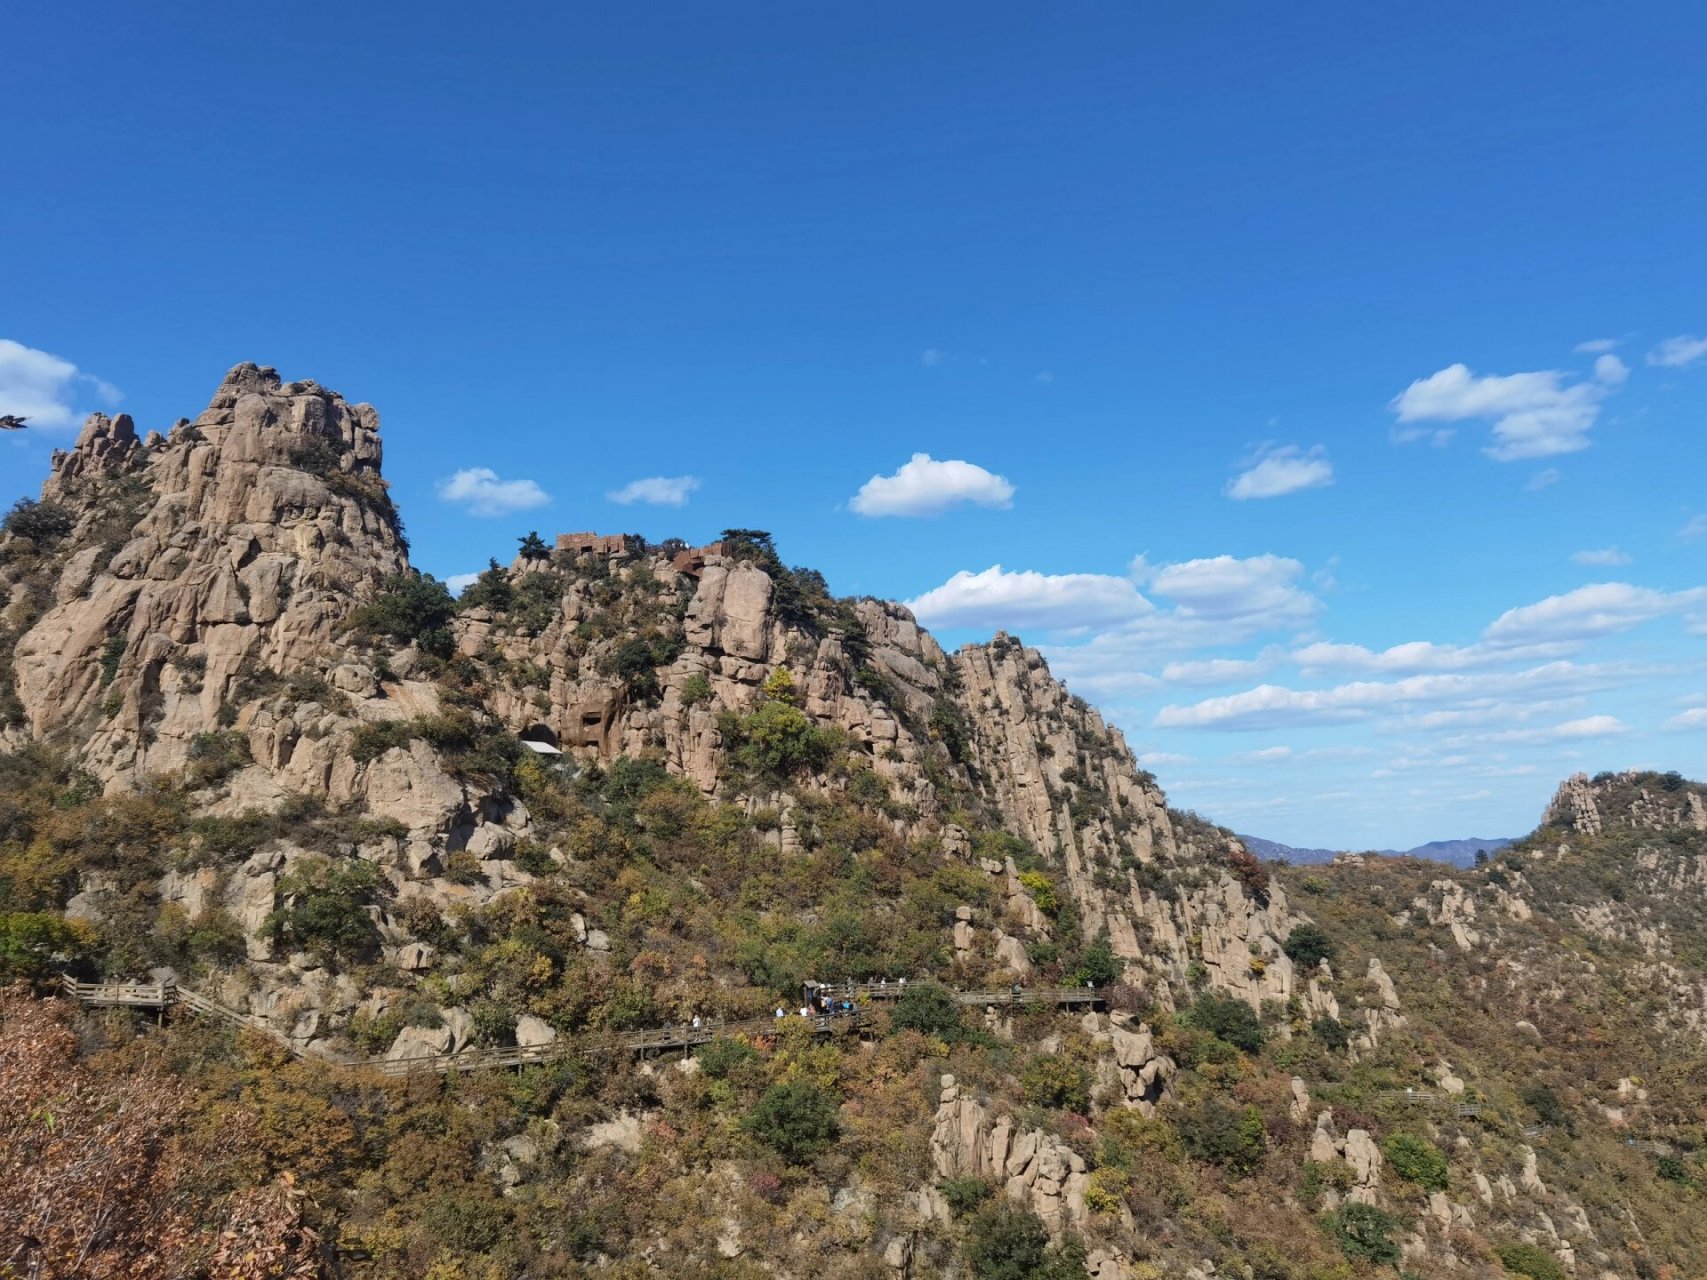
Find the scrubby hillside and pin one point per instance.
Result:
(250, 751)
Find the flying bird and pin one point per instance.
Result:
(12, 422)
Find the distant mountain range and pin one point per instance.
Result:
(1460, 853)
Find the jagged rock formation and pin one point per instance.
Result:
(241, 540)
(202, 618)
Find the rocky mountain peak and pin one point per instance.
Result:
(1636, 799)
(241, 538)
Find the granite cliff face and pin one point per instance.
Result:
(204, 597)
(239, 542)
(259, 750)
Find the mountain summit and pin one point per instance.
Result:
(623, 798)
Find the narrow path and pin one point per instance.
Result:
(145, 995)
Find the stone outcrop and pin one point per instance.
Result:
(239, 545)
(1359, 1151)
(1034, 1169)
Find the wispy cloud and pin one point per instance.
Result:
(658, 491)
(926, 487)
(1602, 608)
(1274, 706)
(458, 582)
(930, 357)
(1687, 721)
(996, 598)
(1693, 528)
(1569, 731)
(1679, 352)
(1534, 415)
(1544, 479)
(46, 388)
(480, 492)
(1276, 470)
(1596, 346)
(1604, 556)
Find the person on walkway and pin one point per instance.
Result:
(696, 1022)
(779, 1012)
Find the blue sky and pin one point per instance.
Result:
(1327, 379)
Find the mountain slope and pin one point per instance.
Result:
(248, 748)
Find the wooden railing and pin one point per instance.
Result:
(998, 996)
(141, 995)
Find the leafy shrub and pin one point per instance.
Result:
(1009, 1243)
(1050, 1080)
(325, 907)
(1042, 891)
(40, 522)
(465, 1222)
(1213, 1131)
(1522, 1259)
(928, 1008)
(1364, 1233)
(412, 607)
(370, 829)
(1098, 965)
(695, 690)
(216, 755)
(797, 1120)
(724, 1055)
(1307, 946)
(463, 867)
(374, 738)
(1673, 1169)
(778, 740)
(31, 942)
(1416, 1160)
(112, 654)
(964, 1194)
(1546, 1105)
(219, 839)
(1229, 1018)
(1331, 1032)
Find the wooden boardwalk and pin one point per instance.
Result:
(652, 1041)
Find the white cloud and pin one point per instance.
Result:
(1212, 670)
(457, 582)
(1413, 657)
(931, 357)
(1271, 706)
(659, 491)
(1611, 370)
(1276, 471)
(1534, 415)
(45, 388)
(1693, 528)
(926, 487)
(1603, 608)
(480, 492)
(1603, 556)
(1056, 602)
(1678, 352)
(1569, 731)
(1685, 721)
(1268, 755)
(1227, 589)
(1148, 758)
(1044, 378)
(1596, 346)
(1545, 478)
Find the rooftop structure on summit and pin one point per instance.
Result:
(598, 544)
(688, 560)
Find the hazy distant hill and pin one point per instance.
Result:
(1460, 853)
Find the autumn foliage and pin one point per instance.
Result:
(105, 1176)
